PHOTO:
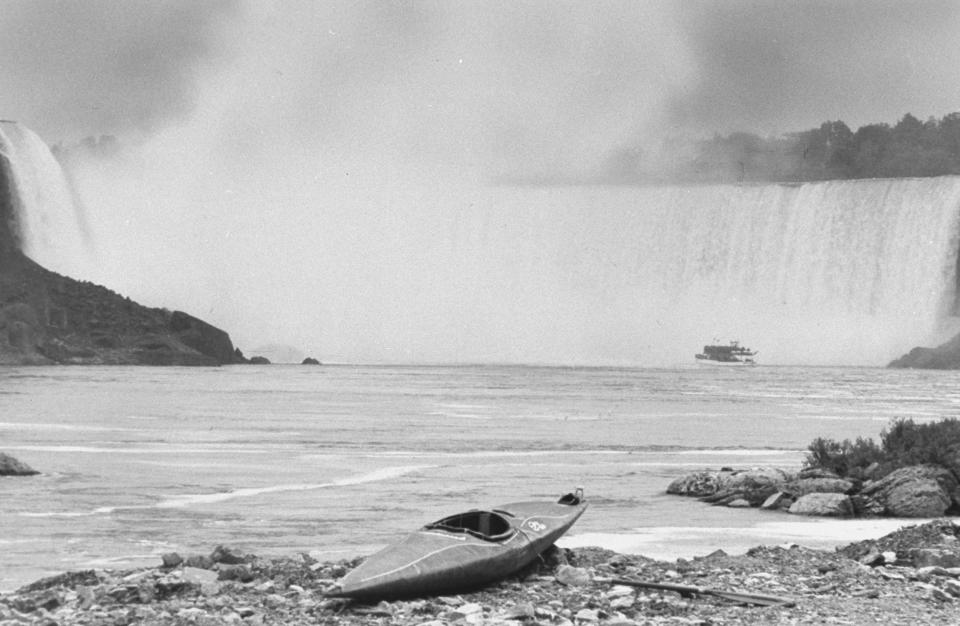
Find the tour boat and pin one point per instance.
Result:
(729, 354)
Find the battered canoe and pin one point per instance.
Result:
(463, 551)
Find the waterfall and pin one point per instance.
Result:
(48, 218)
(383, 270)
(840, 272)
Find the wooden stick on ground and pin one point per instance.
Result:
(740, 597)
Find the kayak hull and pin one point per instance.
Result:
(435, 560)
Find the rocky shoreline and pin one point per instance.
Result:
(907, 577)
(917, 491)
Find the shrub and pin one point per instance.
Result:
(908, 443)
(843, 458)
(903, 443)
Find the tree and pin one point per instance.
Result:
(869, 144)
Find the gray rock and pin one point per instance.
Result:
(816, 472)
(10, 466)
(223, 554)
(699, 484)
(753, 485)
(865, 506)
(918, 498)
(779, 500)
(872, 559)
(915, 491)
(926, 557)
(198, 575)
(803, 486)
(823, 504)
(199, 561)
(241, 572)
(572, 576)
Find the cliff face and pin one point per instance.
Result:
(946, 356)
(47, 318)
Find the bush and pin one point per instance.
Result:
(903, 443)
(844, 458)
(908, 443)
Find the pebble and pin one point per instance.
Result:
(469, 609)
(827, 587)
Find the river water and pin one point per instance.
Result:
(339, 460)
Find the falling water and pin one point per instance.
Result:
(49, 220)
(847, 272)
(827, 273)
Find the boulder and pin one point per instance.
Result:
(864, 506)
(227, 555)
(699, 484)
(927, 557)
(917, 498)
(10, 466)
(803, 486)
(915, 491)
(310, 361)
(823, 504)
(753, 485)
(816, 472)
(779, 500)
(572, 576)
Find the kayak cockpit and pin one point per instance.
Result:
(486, 525)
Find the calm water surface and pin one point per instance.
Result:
(339, 460)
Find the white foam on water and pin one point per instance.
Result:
(126, 449)
(674, 542)
(187, 500)
(498, 453)
(386, 473)
(23, 426)
(735, 452)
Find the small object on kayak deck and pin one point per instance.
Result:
(687, 591)
(463, 551)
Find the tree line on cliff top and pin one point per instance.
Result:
(833, 151)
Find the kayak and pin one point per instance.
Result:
(463, 551)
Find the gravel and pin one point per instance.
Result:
(907, 577)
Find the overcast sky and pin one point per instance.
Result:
(493, 85)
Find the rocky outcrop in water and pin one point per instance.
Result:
(10, 466)
(46, 318)
(946, 356)
(914, 491)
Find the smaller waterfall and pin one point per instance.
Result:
(49, 221)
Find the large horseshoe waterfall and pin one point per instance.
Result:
(823, 273)
(848, 272)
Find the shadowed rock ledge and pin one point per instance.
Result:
(46, 318)
(946, 356)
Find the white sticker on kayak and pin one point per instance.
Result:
(536, 526)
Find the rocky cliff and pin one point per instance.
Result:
(47, 318)
(946, 356)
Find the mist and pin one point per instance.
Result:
(320, 175)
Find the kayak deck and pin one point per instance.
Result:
(463, 551)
